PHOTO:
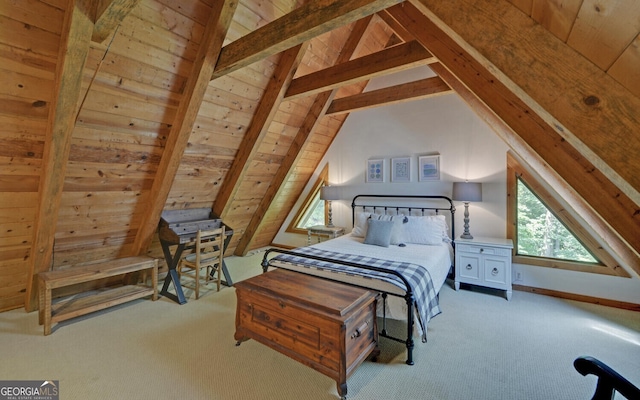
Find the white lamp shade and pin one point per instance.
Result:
(467, 191)
(330, 193)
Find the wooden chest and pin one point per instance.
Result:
(328, 326)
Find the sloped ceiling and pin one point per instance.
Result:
(114, 113)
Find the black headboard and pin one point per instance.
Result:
(401, 204)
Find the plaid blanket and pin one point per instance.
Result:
(419, 279)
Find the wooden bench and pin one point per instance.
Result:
(72, 306)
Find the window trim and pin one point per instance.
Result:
(607, 264)
(323, 179)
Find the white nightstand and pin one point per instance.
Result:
(484, 261)
(321, 230)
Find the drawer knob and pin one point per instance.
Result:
(359, 330)
(494, 271)
(481, 250)
(469, 266)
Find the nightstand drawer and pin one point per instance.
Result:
(469, 267)
(495, 271)
(491, 251)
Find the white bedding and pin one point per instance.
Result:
(436, 259)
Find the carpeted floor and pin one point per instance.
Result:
(480, 347)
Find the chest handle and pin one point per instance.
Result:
(359, 330)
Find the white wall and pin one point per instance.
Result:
(468, 149)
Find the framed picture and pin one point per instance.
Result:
(375, 170)
(429, 168)
(401, 169)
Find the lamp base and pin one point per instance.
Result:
(330, 221)
(466, 234)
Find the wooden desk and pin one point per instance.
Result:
(179, 228)
(328, 326)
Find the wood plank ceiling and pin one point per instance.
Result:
(112, 113)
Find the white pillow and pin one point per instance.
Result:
(442, 222)
(360, 226)
(424, 230)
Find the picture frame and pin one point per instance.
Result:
(401, 169)
(375, 170)
(429, 168)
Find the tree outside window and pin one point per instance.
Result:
(541, 234)
(314, 214)
(313, 211)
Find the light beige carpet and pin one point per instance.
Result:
(480, 347)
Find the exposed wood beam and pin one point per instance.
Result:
(196, 86)
(317, 110)
(394, 59)
(615, 207)
(300, 25)
(580, 101)
(109, 15)
(524, 152)
(320, 105)
(262, 118)
(72, 56)
(400, 30)
(410, 91)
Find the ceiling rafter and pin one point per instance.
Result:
(196, 86)
(109, 16)
(574, 168)
(390, 60)
(319, 106)
(72, 56)
(595, 113)
(300, 25)
(537, 164)
(318, 109)
(410, 91)
(257, 131)
(400, 30)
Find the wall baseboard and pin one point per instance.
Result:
(579, 297)
(284, 246)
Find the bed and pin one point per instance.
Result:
(400, 246)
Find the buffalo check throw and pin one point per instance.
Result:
(419, 279)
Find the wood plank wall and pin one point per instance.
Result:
(27, 70)
(132, 86)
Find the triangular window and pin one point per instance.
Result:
(541, 234)
(314, 214)
(546, 232)
(313, 210)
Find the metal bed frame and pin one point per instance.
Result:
(408, 296)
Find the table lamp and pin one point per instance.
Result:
(329, 193)
(467, 192)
